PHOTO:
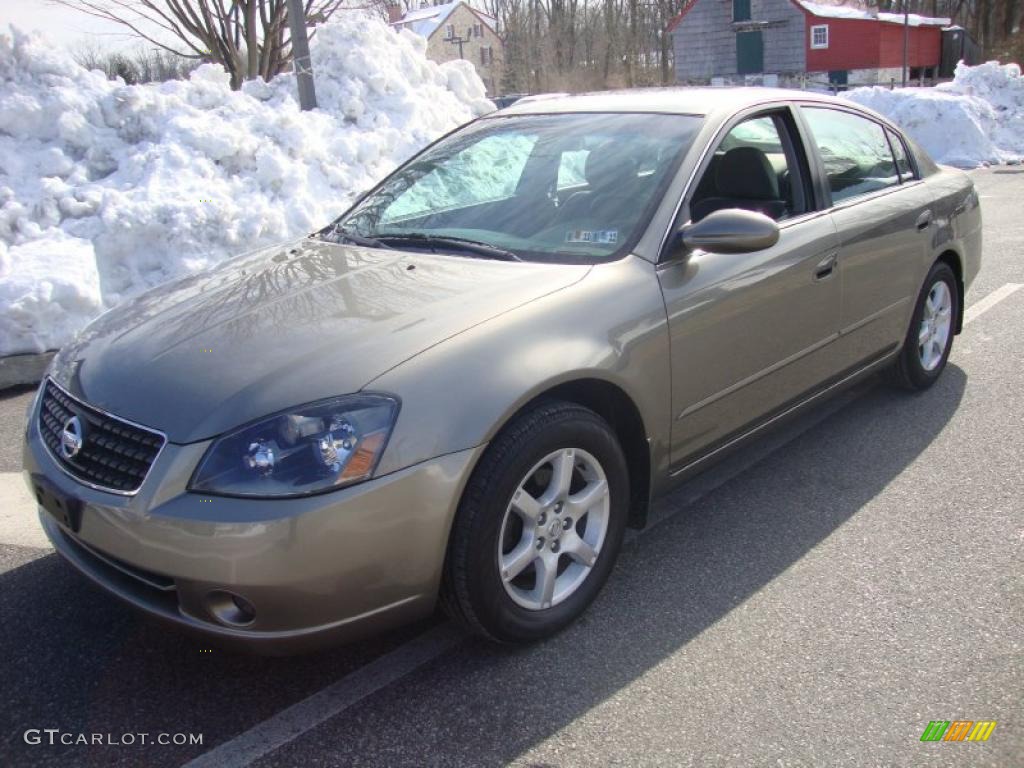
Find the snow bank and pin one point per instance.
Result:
(976, 119)
(107, 190)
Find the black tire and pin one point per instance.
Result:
(472, 591)
(907, 370)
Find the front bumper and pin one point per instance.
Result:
(318, 570)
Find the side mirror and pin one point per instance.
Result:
(731, 230)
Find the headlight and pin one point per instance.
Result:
(310, 449)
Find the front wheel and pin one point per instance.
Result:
(930, 337)
(539, 526)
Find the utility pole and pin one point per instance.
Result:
(300, 55)
(906, 41)
(459, 41)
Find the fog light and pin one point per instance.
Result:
(231, 609)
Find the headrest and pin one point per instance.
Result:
(746, 172)
(606, 167)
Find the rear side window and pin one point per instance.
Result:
(899, 151)
(855, 151)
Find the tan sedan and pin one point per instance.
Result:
(473, 381)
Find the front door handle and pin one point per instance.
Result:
(825, 267)
(924, 220)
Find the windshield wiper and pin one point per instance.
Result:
(456, 243)
(341, 235)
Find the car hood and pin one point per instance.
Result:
(284, 326)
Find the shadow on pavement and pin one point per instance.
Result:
(491, 704)
(78, 660)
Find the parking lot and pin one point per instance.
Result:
(815, 600)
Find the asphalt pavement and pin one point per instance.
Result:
(815, 600)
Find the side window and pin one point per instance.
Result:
(751, 169)
(855, 151)
(899, 151)
(571, 168)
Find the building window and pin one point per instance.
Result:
(819, 36)
(741, 10)
(478, 30)
(449, 31)
(486, 55)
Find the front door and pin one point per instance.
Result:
(751, 333)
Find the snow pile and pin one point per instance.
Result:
(107, 190)
(976, 119)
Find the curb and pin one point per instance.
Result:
(20, 370)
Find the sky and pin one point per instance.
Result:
(64, 25)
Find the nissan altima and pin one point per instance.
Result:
(464, 390)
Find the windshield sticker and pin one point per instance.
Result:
(601, 236)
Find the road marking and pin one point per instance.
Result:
(299, 718)
(19, 523)
(978, 308)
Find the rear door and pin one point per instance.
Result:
(750, 333)
(884, 223)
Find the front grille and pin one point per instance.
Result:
(115, 455)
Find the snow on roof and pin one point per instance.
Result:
(425, 21)
(835, 11)
(852, 12)
(914, 19)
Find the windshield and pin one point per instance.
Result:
(575, 188)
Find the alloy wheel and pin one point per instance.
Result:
(936, 324)
(553, 529)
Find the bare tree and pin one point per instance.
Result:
(249, 38)
(143, 65)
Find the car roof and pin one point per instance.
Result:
(679, 100)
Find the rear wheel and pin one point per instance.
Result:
(539, 526)
(930, 336)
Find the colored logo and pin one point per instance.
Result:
(958, 730)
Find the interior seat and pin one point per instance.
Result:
(744, 178)
(611, 180)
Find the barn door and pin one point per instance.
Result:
(749, 53)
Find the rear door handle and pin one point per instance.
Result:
(924, 220)
(825, 267)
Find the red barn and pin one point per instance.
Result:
(797, 39)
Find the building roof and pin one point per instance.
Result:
(828, 11)
(425, 21)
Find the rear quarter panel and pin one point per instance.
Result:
(956, 229)
(957, 216)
